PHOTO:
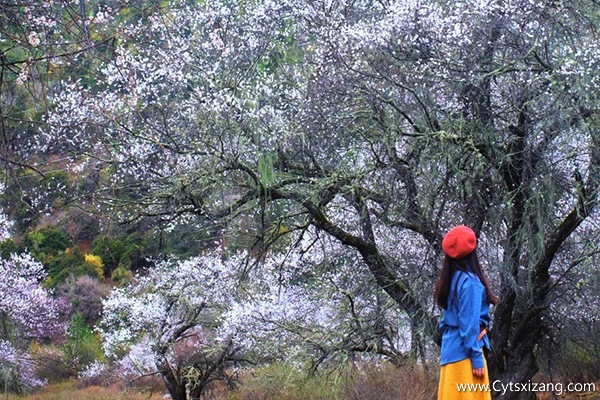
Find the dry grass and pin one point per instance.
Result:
(367, 382)
(280, 382)
(386, 382)
(68, 391)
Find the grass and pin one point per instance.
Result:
(283, 382)
(369, 382)
(68, 390)
(278, 382)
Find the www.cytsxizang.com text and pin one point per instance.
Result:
(503, 388)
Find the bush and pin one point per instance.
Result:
(85, 296)
(51, 364)
(96, 374)
(83, 346)
(110, 251)
(46, 242)
(72, 263)
(64, 266)
(8, 247)
(96, 262)
(124, 251)
(121, 275)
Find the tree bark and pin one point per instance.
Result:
(518, 320)
(175, 386)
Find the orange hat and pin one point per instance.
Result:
(459, 242)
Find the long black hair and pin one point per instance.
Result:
(449, 266)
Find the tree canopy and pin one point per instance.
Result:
(375, 124)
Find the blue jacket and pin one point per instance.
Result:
(468, 309)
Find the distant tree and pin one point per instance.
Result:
(125, 252)
(109, 250)
(27, 312)
(46, 243)
(8, 247)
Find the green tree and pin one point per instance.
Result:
(46, 243)
(125, 252)
(110, 250)
(83, 346)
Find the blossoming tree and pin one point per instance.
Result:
(41, 43)
(379, 124)
(192, 321)
(172, 313)
(316, 305)
(27, 312)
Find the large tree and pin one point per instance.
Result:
(380, 124)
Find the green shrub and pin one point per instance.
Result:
(46, 242)
(70, 263)
(124, 251)
(83, 345)
(121, 275)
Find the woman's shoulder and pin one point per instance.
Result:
(468, 278)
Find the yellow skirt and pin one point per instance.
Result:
(458, 382)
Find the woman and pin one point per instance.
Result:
(465, 296)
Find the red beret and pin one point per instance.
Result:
(459, 242)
